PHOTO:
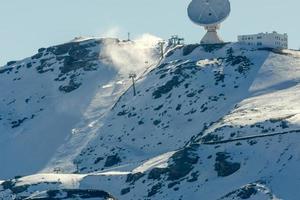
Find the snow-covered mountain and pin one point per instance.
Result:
(208, 121)
(56, 94)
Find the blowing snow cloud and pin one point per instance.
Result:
(132, 56)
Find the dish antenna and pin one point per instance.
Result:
(210, 14)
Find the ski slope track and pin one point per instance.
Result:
(216, 122)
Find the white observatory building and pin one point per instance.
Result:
(209, 14)
(265, 40)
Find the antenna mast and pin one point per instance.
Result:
(161, 45)
(133, 76)
(128, 36)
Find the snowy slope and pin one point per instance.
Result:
(53, 98)
(175, 102)
(214, 122)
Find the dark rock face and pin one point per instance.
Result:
(17, 123)
(212, 47)
(11, 63)
(157, 173)
(132, 178)
(70, 87)
(74, 57)
(21, 192)
(8, 69)
(210, 138)
(125, 191)
(98, 160)
(223, 166)
(249, 191)
(242, 62)
(188, 49)
(179, 75)
(164, 89)
(182, 164)
(155, 189)
(69, 59)
(11, 185)
(112, 160)
(76, 194)
(65, 67)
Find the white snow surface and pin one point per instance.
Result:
(55, 125)
(216, 122)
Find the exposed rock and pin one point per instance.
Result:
(225, 167)
(112, 160)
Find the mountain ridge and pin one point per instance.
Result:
(206, 117)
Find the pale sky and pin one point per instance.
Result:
(27, 25)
